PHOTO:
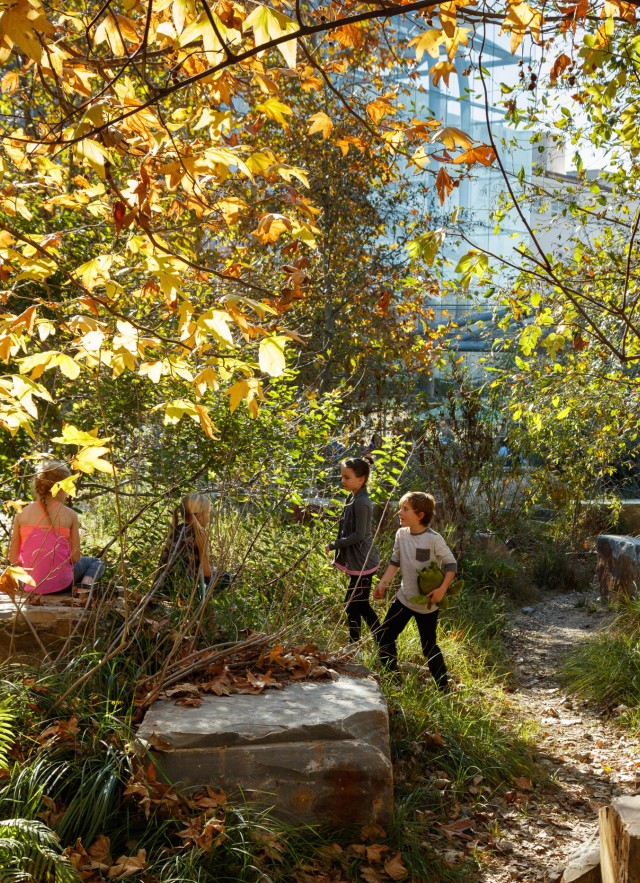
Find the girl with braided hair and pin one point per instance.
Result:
(45, 539)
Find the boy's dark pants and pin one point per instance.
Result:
(397, 618)
(357, 606)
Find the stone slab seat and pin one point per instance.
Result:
(51, 620)
(314, 752)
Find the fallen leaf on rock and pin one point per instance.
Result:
(64, 731)
(431, 739)
(459, 829)
(332, 850)
(212, 800)
(189, 702)
(180, 690)
(268, 842)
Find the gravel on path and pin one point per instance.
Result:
(590, 758)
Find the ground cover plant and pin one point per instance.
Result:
(606, 668)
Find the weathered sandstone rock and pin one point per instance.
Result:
(313, 752)
(28, 632)
(618, 567)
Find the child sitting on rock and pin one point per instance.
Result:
(185, 563)
(45, 539)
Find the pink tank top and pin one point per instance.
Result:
(45, 552)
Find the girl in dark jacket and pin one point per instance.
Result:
(355, 553)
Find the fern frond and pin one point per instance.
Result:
(29, 853)
(7, 733)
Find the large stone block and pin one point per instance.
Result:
(313, 752)
(620, 840)
(29, 632)
(618, 567)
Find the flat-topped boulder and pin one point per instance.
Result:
(314, 752)
(618, 567)
(29, 631)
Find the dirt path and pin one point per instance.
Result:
(591, 760)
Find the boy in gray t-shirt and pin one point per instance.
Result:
(416, 545)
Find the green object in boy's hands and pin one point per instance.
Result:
(429, 578)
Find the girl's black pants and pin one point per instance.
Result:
(358, 608)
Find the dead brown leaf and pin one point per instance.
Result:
(523, 783)
(395, 868)
(128, 865)
(372, 832)
(100, 853)
(375, 852)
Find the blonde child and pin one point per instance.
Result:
(416, 545)
(45, 538)
(185, 563)
(355, 552)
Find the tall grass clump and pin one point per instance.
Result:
(606, 667)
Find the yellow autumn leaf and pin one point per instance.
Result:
(429, 42)
(236, 394)
(275, 110)
(21, 22)
(442, 71)
(68, 485)
(270, 227)
(320, 122)
(216, 322)
(452, 137)
(90, 460)
(71, 435)
(68, 366)
(205, 421)
(267, 25)
(95, 272)
(271, 355)
(89, 152)
(20, 574)
(249, 390)
(379, 109)
(521, 18)
(231, 207)
(152, 370)
(36, 364)
(181, 10)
